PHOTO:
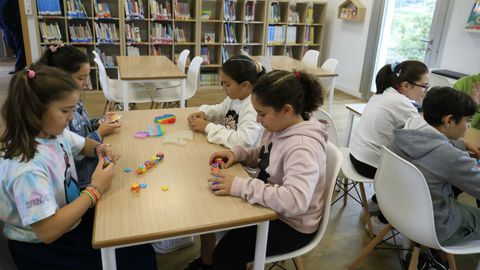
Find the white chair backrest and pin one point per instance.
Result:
(311, 57)
(193, 77)
(330, 64)
(243, 52)
(332, 129)
(102, 74)
(334, 163)
(265, 63)
(437, 80)
(182, 60)
(404, 198)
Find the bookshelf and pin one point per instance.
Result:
(213, 29)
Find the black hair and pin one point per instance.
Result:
(392, 75)
(443, 101)
(299, 89)
(242, 68)
(67, 58)
(29, 95)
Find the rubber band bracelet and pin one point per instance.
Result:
(94, 192)
(91, 197)
(96, 188)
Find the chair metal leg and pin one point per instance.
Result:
(451, 261)
(345, 187)
(370, 247)
(106, 105)
(298, 263)
(414, 260)
(366, 210)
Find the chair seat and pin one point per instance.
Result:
(467, 247)
(163, 84)
(348, 169)
(166, 94)
(136, 92)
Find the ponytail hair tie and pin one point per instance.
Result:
(30, 74)
(54, 48)
(298, 75)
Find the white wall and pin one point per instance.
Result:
(346, 41)
(461, 49)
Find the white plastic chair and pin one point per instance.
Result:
(331, 65)
(404, 198)
(174, 94)
(245, 53)
(181, 63)
(437, 80)
(265, 63)
(311, 57)
(332, 129)
(113, 89)
(334, 159)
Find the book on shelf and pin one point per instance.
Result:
(293, 16)
(107, 60)
(208, 79)
(161, 33)
(180, 35)
(309, 34)
(288, 52)
(102, 10)
(182, 10)
(50, 32)
(291, 34)
(106, 33)
(229, 33)
(49, 7)
(224, 54)
(309, 14)
(134, 9)
(80, 33)
(76, 9)
(229, 10)
(132, 33)
(275, 12)
(250, 10)
(269, 51)
(133, 51)
(276, 34)
(160, 10)
(205, 54)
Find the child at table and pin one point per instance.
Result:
(434, 145)
(292, 163)
(47, 218)
(398, 85)
(76, 63)
(232, 122)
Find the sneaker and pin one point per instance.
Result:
(377, 226)
(372, 206)
(436, 261)
(197, 264)
(167, 246)
(423, 261)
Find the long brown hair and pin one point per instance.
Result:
(391, 75)
(29, 95)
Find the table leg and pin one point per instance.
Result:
(182, 94)
(261, 246)
(125, 96)
(109, 261)
(349, 127)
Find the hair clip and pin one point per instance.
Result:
(393, 66)
(298, 75)
(30, 74)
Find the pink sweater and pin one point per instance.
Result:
(295, 172)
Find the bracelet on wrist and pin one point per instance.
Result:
(94, 192)
(95, 187)
(91, 197)
(100, 146)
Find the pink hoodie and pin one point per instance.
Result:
(295, 170)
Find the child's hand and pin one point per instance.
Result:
(226, 155)
(473, 147)
(200, 115)
(107, 128)
(106, 150)
(102, 177)
(223, 183)
(198, 124)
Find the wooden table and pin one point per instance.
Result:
(355, 109)
(123, 218)
(146, 69)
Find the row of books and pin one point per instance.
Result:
(205, 54)
(309, 35)
(250, 10)
(208, 79)
(160, 11)
(107, 33)
(229, 33)
(291, 34)
(75, 8)
(180, 35)
(132, 33)
(102, 10)
(161, 33)
(276, 34)
(49, 7)
(80, 33)
(229, 10)
(182, 10)
(275, 13)
(107, 60)
(134, 9)
(50, 32)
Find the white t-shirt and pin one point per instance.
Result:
(381, 116)
(34, 190)
(233, 123)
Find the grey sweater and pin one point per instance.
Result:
(443, 163)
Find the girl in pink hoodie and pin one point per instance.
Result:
(292, 162)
